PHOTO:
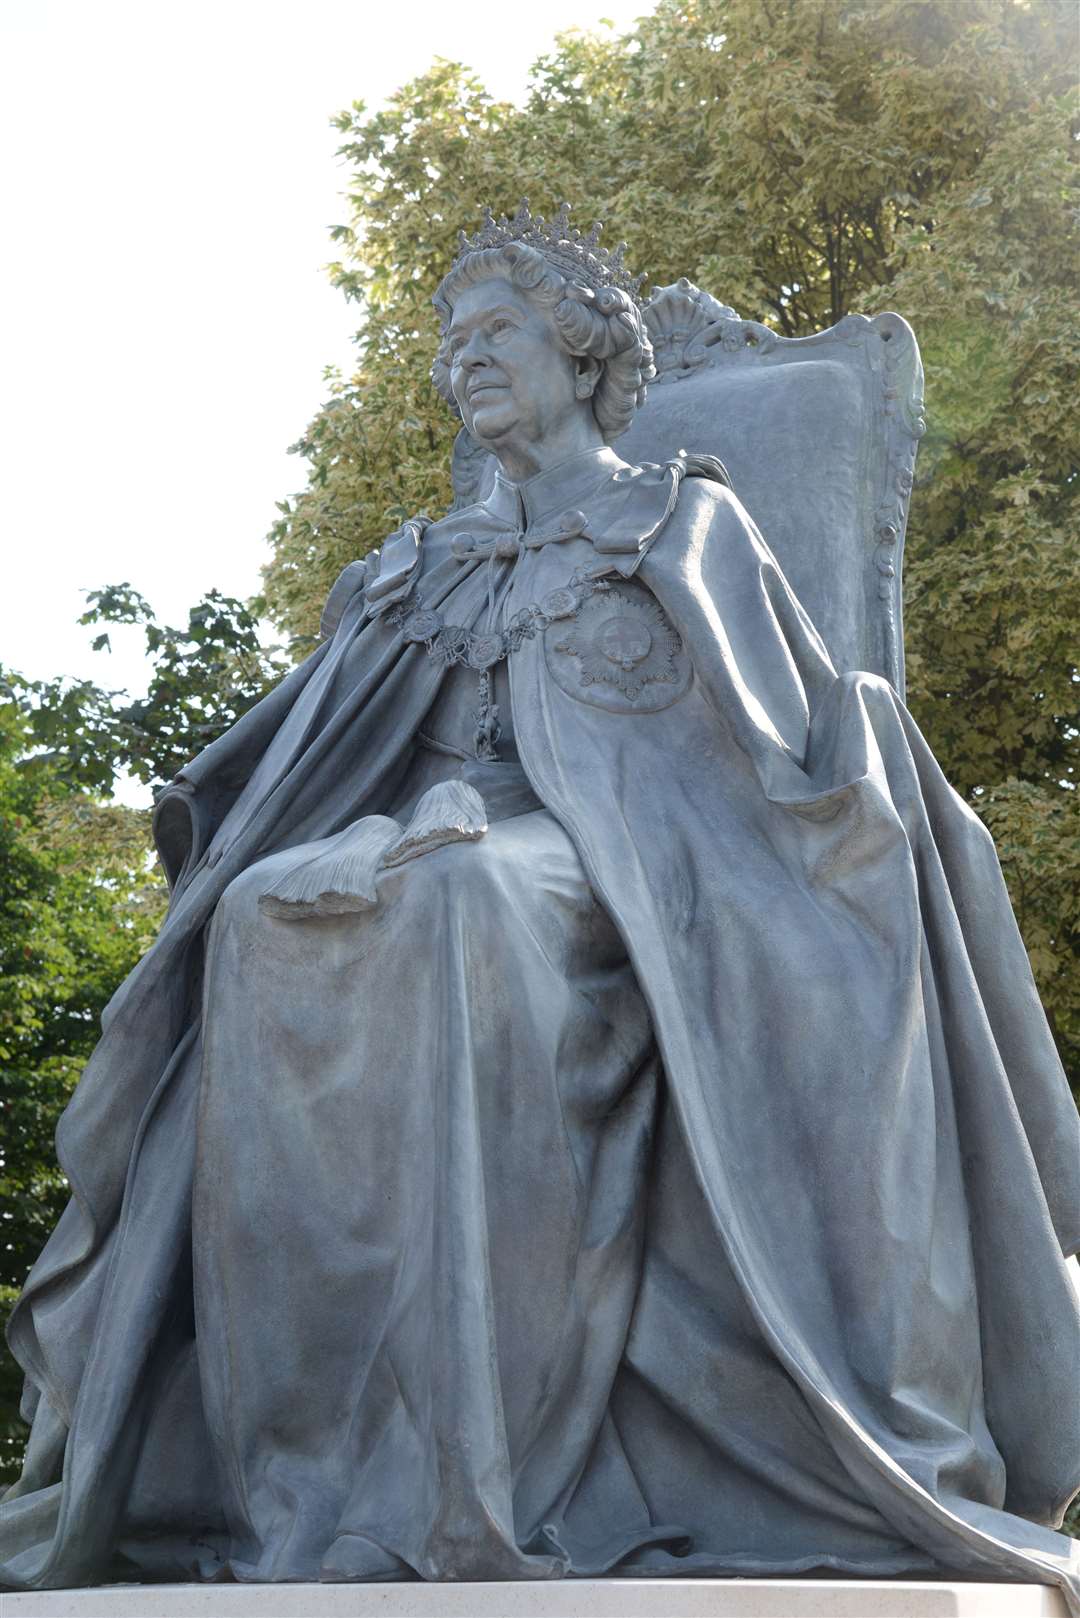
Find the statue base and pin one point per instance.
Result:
(569, 1598)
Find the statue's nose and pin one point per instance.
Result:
(474, 353)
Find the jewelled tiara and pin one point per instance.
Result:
(565, 248)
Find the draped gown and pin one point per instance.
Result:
(426, 1139)
(668, 1172)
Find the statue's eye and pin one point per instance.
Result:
(501, 325)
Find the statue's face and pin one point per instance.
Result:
(511, 376)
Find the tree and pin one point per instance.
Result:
(203, 679)
(79, 903)
(80, 893)
(801, 159)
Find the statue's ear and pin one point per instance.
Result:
(589, 372)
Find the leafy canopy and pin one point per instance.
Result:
(203, 679)
(80, 893)
(79, 903)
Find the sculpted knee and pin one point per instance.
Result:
(460, 876)
(867, 684)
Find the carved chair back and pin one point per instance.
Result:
(819, 435)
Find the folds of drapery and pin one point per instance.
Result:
(864, 1079)
(856, 1061)
(275, 779)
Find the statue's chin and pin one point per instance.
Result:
(491, 422)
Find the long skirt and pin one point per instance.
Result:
(424, 1139)
(459, 1312)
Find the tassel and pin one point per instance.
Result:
(338, 878)
(449, 812)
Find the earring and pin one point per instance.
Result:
(583, 389)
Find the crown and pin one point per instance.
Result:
(565, 248)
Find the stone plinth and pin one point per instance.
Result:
(577, 1598)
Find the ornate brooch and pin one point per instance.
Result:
(625, 641)
(626, 656)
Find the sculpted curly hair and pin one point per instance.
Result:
(604, 324)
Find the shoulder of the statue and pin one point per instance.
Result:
(627, 514)
(465, 526)
(708, 517)
(387, 574)
(381, 576)
(709, 468)
(709, 537)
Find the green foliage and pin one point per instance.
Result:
(80, 893)
(79, 903)
(801, 159)
(204, 678)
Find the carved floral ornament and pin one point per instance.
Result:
(685, 323)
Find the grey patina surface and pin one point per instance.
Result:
(588, 1109)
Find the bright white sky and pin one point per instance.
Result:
(167, 186)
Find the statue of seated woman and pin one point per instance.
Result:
(588, 1109)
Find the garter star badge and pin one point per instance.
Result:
(619, 652)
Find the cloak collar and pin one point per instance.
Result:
(557, 490)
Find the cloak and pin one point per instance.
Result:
(870, 1136)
